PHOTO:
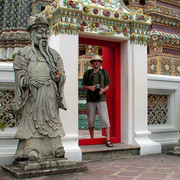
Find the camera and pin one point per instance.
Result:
(95, 94)
(97, 86)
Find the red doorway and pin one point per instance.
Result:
(111, 63)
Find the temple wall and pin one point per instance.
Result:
(137, 127)
(166, 131)
(135, 85)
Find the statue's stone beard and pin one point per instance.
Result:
(43, 45)
(43, 48)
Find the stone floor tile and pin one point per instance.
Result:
(112, 168)
(161, 170)
(177, 170)
(144, 164)
(118, 178)
(154, 175)
(166, 166)
(121, 164)
(150, 167)
(90, 177)
(136, 169)
(148, 178)
(175, 175)
(6, 178)
(102, 172)
(128, 173)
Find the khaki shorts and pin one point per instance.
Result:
(101, 107)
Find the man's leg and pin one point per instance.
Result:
(108, 142)
(107, 130)
(104, 117)
(91, 132)
(91, 113)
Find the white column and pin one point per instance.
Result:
(16, 49)
(126, 94)
(10, 52)
(134, 98)
(67, 46)
(3, 53)
(6, 76)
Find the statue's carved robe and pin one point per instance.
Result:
(40, 128)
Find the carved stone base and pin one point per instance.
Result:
(177, 149)
(176, 152)
(27, 169)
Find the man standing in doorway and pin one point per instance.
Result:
(96, 81)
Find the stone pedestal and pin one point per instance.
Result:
(28, 169)
(176, 152)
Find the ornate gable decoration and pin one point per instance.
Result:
(102, 17)
(158, 39)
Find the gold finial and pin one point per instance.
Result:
(107, 1)
(140, 10)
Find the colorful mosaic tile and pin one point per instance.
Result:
(7, 15)
(157, 39)
(164, 64)
(104, 17)
(1, 15)
(177, 68)
(152, 66)
(25, 6)
(39, 5)
(166, 67)
(14, 14)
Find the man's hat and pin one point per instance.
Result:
(36, 21)
(96, 57)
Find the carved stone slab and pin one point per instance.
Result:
(28, 169)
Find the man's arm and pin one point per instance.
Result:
(103, 90)
(92, 88)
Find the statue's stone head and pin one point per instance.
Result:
(38, 27)
(37, 21)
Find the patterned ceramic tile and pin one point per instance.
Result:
(1, 15)
(157, 109)
(153, 66)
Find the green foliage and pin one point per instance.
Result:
(13, 56)
(3, 125)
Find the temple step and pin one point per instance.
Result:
(102, 152)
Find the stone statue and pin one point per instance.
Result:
(39, 78)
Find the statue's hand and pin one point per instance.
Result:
(55, 76)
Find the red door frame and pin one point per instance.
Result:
(114, 93)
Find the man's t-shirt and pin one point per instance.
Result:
(95, 80)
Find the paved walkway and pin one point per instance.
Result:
(150, 167)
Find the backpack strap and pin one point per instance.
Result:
(90, 76)
(103, 71)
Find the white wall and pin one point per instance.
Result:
(166, 85)
(68, 48)
(7, 142)
(134, 98)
